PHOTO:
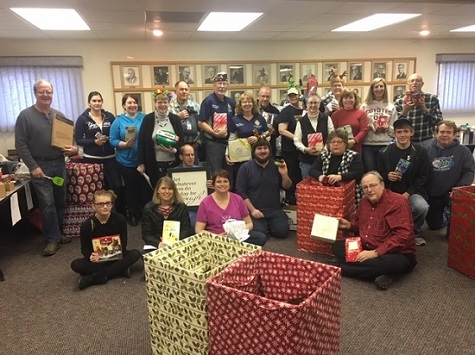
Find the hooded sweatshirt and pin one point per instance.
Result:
(450, 167)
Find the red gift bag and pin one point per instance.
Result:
(272, 304)
(461, 254)
(83, 180)
(313, 197)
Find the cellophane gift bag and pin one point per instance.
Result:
(313, 197)
(273, 304)
(461, 254)
(176, 290)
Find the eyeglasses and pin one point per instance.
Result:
(45, 93)
(336, 142)
(103, 204)
(370, 186)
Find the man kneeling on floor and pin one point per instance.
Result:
(383, 221)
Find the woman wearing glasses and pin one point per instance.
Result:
(338, 163)
(104, 244)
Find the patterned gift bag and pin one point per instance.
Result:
(313, 197)
(176, 290)
(273, 304)
(461, 256)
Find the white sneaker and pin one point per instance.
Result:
(420, 241)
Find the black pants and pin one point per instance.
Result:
(136, 190)
(435, 216)
(107, 270)
(292, 161)
(388, 264)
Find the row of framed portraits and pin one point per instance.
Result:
(146, 104)
(142, 75)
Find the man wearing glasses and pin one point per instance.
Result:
(33, 131)
(383, 221)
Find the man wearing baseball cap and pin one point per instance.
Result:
(216, 111)
(405, 168)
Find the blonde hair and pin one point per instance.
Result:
(166, 180)
(370, 96)
(246, 96)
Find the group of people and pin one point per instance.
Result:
(332, 139)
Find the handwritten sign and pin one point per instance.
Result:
(191, 183)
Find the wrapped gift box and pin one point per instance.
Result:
(313, 197)
(83, 180)
(176, 290)
(461, 253)
(74, 215)
(268, 303)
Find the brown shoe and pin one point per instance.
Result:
(65, 240)
(50, 249)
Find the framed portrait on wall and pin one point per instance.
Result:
(209, 72)
(330, 71)
(380, 71)
(282, 96)
(285, 73)
(161, 75)
(235, 94)
(398, 91)
(400, 70)
(307, 71)
(131, 76)
(236, 74)
(186, 73)
(261, 74)
(355, 72)
(138, 96)
(358, 90)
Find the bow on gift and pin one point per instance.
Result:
(162, 92)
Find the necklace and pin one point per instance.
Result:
(162, 121)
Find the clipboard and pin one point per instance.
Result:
(62, 132)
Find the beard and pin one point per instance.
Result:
(261, 160)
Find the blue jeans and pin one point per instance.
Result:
(51, 199)
(215, 155)
(419, 207)
(304, 169)
(370, 156)
(275, 223)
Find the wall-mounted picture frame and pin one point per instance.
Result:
(358, 90)
(282, 97)
(206, 93)
(191, 183)
(400, 70)
(307, 71)
(261, 74)
(285, 72)
(161, 75)
(355, 72)
(380, 71)
(398, 91)
(130, 76)
(186, 73)
(331, 70)
(209, 71)
(235, 94)
(236, 74)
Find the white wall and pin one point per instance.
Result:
(98, 55)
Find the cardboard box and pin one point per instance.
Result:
(176, 290)
(268, 303)
(291, 211)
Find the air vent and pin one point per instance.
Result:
(173, 17)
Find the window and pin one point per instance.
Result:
(17, 76)
(456, 89)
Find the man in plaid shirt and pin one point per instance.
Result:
(421, 109)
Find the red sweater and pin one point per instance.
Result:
(357, 119)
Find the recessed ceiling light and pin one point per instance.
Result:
(464, 29)
(228, 21)
(374, 22)
(53, 19)
(424, 33)
(157, 33)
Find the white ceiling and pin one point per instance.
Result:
(282, 19)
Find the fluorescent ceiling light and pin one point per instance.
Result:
(374, 22)
(464, 29)
(53, 19)
(228, 21)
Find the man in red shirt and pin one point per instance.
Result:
(383, 221)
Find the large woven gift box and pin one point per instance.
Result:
(273, 304)
(313, 197)
(176, 290)
(461, 255)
